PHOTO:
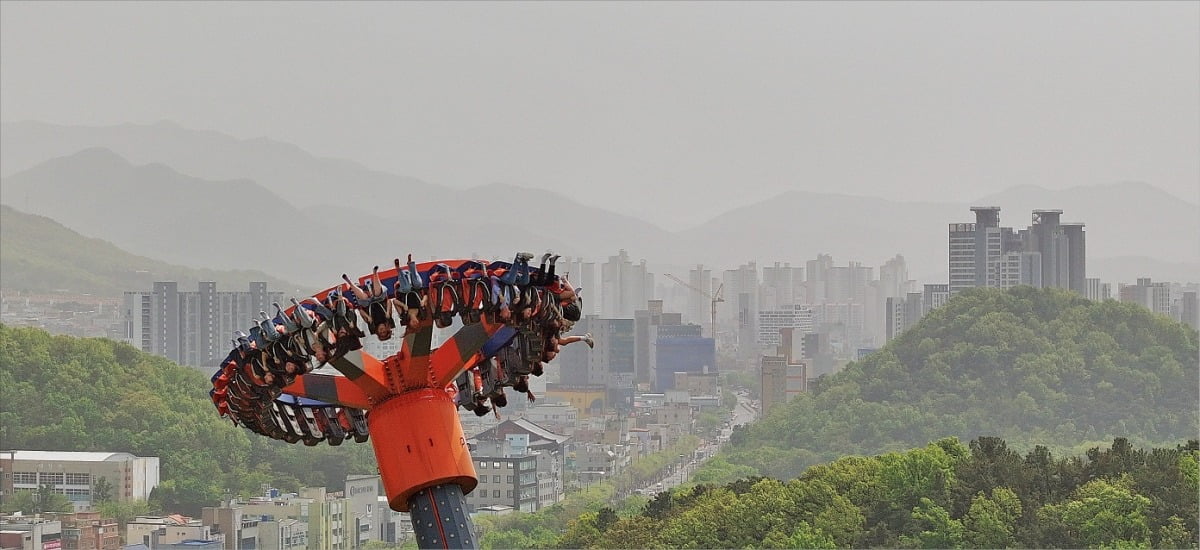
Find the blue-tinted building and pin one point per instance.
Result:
(691, 354)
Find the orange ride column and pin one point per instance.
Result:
(419, 443)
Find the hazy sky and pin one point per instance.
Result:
(673, 110)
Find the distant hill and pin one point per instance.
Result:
(157, 212)
(1124, 219)
(1031, 366)
(1127, 269)
(797, 225)
(286, 170)
(38, 254)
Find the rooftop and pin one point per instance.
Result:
(66, 456)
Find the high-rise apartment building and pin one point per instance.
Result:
(933, 297)
(1047, 254)
(192, 328)
(1153, 296)
(610, 364)
(698, 304)
(770, 322)
(1097, 290)
(626, 286)
(582, 275)
(1189, 309)
(782, 286)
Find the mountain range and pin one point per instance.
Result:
(38, 254)
(205, 199)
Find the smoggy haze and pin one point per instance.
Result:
(673, 112)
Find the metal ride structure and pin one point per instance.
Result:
(513, 316)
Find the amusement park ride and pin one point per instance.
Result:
(513, 319)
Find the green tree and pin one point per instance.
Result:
(123, 511)
(1102, 513)
(935, 528)
(802, 535)
(101, 490)
(991, 522)
(46, 498)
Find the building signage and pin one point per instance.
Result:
(52, 544)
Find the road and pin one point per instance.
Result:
(744, 412)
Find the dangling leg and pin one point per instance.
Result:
(358, 292)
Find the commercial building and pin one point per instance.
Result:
(785, 374)
(362, 495)
(75, 474)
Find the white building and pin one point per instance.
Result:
(75, 474)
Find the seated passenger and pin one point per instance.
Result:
(374, 305)
(409, 301)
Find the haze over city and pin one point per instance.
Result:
(390, 275)
(674, 112)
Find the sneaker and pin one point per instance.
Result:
(525, 256)
(587, 339)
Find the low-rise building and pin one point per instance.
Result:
(89, 531)
(160, 532)
(282, 534)
(394, 527)
(231, 519)
(20, 532)
(325, 513)
(77, 474)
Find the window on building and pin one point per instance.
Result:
(495, 479)
(510, 479)
(509, 495)
(496, 493)
(496, 465)
(482, 465)
(25, 477)
(79, 479)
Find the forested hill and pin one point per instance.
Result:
(1031, 366)
(944, 495)
(59, 393)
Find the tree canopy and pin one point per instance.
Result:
(59, 393)
(943, 495)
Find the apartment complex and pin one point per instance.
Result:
(192, 328)
(1049, 253)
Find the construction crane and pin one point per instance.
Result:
(714, 299)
